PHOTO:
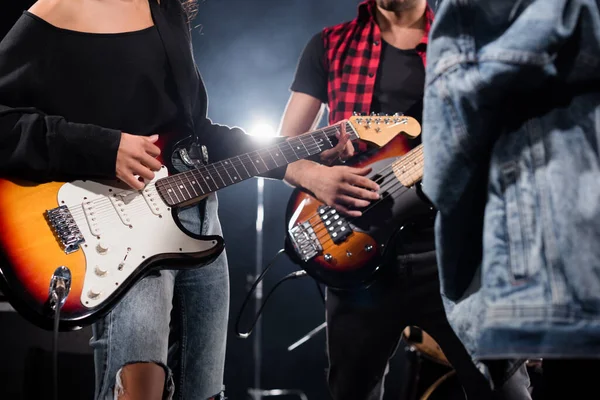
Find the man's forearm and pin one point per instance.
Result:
(296, 173)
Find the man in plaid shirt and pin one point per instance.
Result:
(374, 63)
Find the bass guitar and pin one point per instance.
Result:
(344, 252)
(94, 240)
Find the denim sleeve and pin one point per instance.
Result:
(491, 66)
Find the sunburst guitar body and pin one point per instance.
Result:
(108, 236)
(347, 253)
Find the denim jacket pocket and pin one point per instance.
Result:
(516, 220)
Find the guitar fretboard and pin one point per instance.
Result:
(409, 169)
(187, 186)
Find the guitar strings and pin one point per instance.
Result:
(326, 245)
(392, 167)
(319, 226)
(395, 184)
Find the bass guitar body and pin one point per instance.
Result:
(107, 237)
(347, 253)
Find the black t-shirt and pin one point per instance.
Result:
(399, 87)
(117, 81)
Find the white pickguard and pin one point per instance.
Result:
(122, 228)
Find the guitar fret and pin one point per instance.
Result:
(201, 182)
(318, 150)
(174, 192)
(409, 169)
(288, 152)
(257, 163)
(268, 160)
(194, 183)
(250, 162)
(245, 169)
(226, 164)
(278, 156)
(262, 160)
(214, 167)
(205, 174)
(294, 150)
(351, 131)
(182, 184)
(301, 140)
(168, 191)
(331, 145)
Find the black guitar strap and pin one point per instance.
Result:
(176, 43)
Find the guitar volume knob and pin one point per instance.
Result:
(102, 247)
(368, 248)
(328, 257)
(94, 294)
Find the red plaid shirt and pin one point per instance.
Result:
(352, 52)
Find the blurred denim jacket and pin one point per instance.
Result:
(511, 131)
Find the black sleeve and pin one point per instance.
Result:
(311, 72)
(223, 141)
(41, 147)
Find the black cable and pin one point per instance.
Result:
(293, 275)
(320, 291)
(55, 349)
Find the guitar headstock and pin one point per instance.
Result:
(380, 129)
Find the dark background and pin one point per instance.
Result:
(247, 52)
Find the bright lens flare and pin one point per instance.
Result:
(262, 129)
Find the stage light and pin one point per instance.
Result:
(262, 129)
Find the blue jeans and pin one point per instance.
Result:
(190, 305)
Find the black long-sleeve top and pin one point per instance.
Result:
(66, 96)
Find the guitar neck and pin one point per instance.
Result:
(409, 169)
(188, 186)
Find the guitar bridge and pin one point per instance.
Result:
(305, 241)
(65, 228)
(337, 226)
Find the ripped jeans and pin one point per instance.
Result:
(177, 320)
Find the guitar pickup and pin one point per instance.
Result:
(337, 226)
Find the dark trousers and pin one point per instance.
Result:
(364, 328)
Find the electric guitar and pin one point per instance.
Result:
(344, 252)
(95, 239)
